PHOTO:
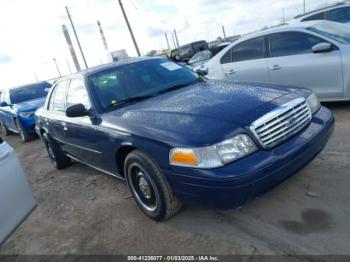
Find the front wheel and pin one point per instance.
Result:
(149, 187)
(25, 137)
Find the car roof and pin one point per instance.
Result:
(282, 28)
(341, 4)
(101, 68)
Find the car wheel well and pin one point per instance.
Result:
(121, 156)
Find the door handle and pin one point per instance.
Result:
(5, 155)
(63, 123)
(276, 67)
(231, 72)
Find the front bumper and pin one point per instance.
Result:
(242, 180)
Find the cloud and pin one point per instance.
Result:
(5, 59)
(155, 32)
(29, 46)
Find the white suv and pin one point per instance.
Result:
(310, 54)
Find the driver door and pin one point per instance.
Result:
(82, 137)
(292, 62)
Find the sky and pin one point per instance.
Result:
(31, 30)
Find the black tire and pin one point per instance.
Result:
(4, 130)
(58, 158)
(25, 137)
(149, 187)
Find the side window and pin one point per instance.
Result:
(292, 43)
(6, 97)
(58, 97)
(341, 15)
(226, 58)
(249, 50)
(318, 16)
(77, 93)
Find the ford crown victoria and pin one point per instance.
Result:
(176, 137)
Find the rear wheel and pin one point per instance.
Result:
(58, 158)
(25, 137)
(149, 187)
(4, 130)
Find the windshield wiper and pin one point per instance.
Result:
(130, 100)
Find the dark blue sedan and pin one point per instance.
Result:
(17, 108)
(176, 137)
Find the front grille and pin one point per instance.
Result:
(281, 123)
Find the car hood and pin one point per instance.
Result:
(205, 112)
(30, 105)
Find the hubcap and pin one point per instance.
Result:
(142, 187)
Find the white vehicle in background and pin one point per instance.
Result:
(337, 13)
(16, 198)
(117, 55)
(313, 54)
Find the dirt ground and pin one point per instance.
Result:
(83, 211)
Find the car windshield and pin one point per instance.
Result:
(185, 50)
(139, 80)
(200, 56)
(338, 32)
(26, 93)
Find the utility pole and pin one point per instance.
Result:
(71, 48)
(284, 18)
(223, 31)
(36, 77)
(167, 40)
(129, 27)
(172, 36)
(58, 70)
(304, 6)
(177, 40)
(76, 37)
(102, 35)
(70, 71)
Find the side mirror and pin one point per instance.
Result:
(77, 110)
(322, 47)
(202, 70)
(3, 104)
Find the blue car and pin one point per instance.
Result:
(176, 137)
(17, 108)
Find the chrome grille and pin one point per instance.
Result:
(279, 124)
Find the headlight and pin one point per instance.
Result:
(26, 114)
(213, 156)
(313, 103)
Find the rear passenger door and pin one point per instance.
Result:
(55, 121)
(292, 62)
(246, 61)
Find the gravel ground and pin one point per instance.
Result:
(83, 211)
